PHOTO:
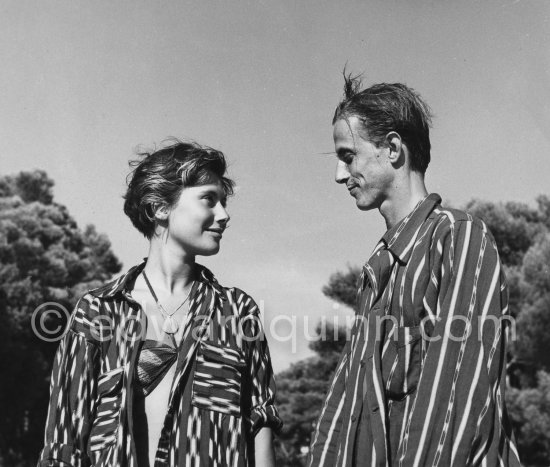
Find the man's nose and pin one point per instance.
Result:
(342, 173)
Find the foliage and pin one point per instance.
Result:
(522, 234)
(44, 257)
(301, 390)
(529, 411)
(342, 287)
(515, 226)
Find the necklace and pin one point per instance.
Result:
(170, 325)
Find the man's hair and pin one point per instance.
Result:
(159, 177)
(389, 107)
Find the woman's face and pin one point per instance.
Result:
(197, 220)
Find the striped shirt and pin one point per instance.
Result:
(421, 381)
(222, 394)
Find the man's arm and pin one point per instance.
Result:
(458, 415)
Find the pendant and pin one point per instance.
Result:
(170, 325)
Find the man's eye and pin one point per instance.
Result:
(346, 158)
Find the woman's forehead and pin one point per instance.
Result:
(212, 184)
(208, 178)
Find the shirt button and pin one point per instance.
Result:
(353, 418)
(375, 409)
(362, 362)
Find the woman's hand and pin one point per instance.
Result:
(263, 447)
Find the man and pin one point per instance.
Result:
(421, 381)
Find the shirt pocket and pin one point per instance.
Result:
(105, 425)
(401, 364)
(218, 378)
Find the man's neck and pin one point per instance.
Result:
(409, 191)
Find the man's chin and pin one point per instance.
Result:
(362, 206)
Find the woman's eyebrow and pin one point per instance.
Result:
(208, 187)
(214, 190)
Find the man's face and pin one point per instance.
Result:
(362, 167)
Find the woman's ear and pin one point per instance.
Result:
(161, 212)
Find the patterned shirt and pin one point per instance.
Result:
(421, 381)
(222, 394)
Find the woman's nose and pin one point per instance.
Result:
(222, 216)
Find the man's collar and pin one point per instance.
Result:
(401, 237)
(123, 283)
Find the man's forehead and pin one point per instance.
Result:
(347, 130)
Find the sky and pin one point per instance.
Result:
(84, 85)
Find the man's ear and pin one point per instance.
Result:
(395, 146)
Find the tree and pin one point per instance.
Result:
(302, 390)
(342, 287)
(44, 258)
(529, 411)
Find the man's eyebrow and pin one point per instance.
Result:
(344, 150)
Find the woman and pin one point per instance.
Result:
(163, 366)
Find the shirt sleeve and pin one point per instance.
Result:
(458, 415)
(72, 390)
(261, 381)
(324, 445)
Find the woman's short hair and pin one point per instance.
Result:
(158, 178)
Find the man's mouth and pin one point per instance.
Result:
(351, 189)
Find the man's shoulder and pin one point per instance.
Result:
(449, 221)
(452, 218)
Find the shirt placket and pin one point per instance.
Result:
(373, 395)
(359, 358)
(203, 309)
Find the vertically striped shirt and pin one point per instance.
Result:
(421, 381)
(221, 395)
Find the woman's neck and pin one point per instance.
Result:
(169, 269)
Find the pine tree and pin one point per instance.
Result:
(46, 261)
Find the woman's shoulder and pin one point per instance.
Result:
(118, 285)
(242, 300)
(234, 295)
(91, 309)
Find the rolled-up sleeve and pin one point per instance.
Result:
(261, 381)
